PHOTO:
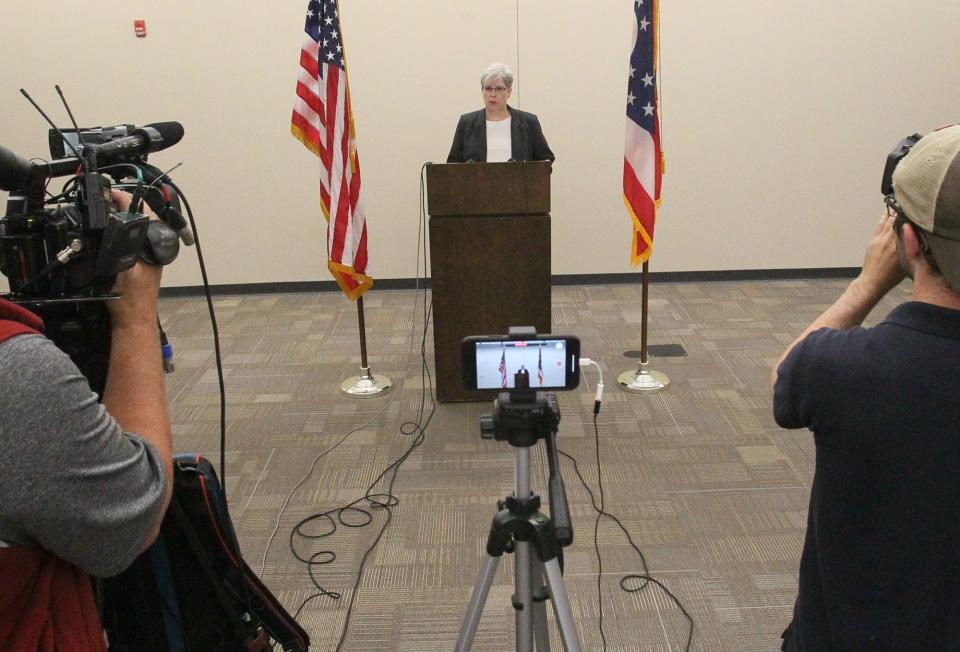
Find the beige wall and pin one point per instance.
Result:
(777, 117)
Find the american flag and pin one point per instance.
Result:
(540, 364)
(323, 122)
(642, 158)
(503, 366)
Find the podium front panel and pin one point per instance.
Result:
(488, 273)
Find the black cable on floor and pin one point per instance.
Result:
(387, 501)
(596, 532)
(645, 577)
(384, 501)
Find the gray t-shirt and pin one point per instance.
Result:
(70, 480)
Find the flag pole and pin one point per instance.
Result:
(363, 334)
(366, 385)
(644, 303)
(643, 379)
(323, 90)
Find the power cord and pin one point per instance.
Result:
(388, 500)
(645, 577)
(235, 547)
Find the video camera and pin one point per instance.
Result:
(893, 158)
(61, 253)
(71, 246)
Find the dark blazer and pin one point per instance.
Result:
(526, 138)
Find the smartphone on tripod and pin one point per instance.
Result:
(492, 361)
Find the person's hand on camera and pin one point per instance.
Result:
(881, 267)
(134, 394)
(881, 273)
(139, 286)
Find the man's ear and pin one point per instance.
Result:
(911, 242)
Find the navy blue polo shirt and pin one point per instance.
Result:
(880, 568)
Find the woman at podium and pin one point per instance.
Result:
(498, 132)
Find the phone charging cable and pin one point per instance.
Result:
(586, 362)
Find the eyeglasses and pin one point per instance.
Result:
(494, 89)
(900, 218)
(894, 211)
(892, 206)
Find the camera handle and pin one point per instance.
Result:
(557, 491)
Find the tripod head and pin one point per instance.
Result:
(522, 416)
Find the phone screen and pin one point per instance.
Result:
(550, 363)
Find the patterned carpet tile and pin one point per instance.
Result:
(710, 490)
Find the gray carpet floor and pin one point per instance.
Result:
(711, 490)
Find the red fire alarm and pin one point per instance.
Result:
(140, 28)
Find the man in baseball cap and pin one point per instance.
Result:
(926, 193)
(880, 568)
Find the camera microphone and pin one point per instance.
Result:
(150, 138)
(15, 171)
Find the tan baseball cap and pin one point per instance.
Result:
(926, 185)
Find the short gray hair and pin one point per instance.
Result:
(497, 71)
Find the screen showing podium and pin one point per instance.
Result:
(489, 258)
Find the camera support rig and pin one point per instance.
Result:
(61, 255)
(522, 417)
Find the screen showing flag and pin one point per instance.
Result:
(540, 366)
(323, 121)
(498, 363)
(503, 366)
(642, 158)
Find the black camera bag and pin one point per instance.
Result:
(191, 591)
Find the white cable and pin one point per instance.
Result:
(586, 362)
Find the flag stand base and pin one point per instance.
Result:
(643, 380)
(366, 385)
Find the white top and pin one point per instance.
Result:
(498, 141)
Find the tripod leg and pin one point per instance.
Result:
(540, 628)
(523, 579)
(523, 598)
(471, 620)
(561, 606)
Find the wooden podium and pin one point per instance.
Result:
(489, 258)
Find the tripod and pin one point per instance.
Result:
(523, 417)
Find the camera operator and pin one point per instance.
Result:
(880, 568)
(83, 485)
